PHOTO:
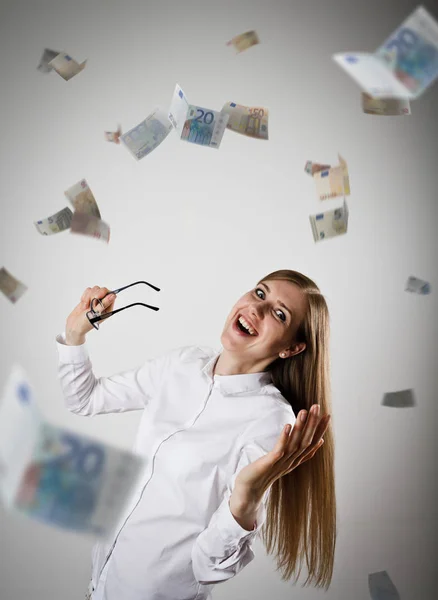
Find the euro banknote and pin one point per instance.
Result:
(147, 135)
(332, 182)
(81, 197)
(418, 286)
(244, 41)
(113, 136)
(330, 223)
(66, 66)
(400, 399)
(404, 66)
(248, 120)
(89, 225)
(60, 221)
(195, 124)
(57, 476)
(311, 168)
(47, 56)
(11, 287)
(381, 587)
(389, 107)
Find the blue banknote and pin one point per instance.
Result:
(57, 476)
(147, 135)
(412, 51)
(196, 124)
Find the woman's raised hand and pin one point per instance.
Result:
(78, 325)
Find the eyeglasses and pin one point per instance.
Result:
(94, 317)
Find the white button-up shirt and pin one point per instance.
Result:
(178, 537)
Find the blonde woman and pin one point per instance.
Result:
(221, 461)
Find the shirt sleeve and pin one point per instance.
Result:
(87, 395)
(224, 548)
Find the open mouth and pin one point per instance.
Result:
(241, 328)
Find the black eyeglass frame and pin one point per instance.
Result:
(94, 317)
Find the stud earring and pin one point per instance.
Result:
(282, 354)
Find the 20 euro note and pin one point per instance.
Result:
(418, 286)
(11, 287)
(381, 587)
(404, 66)
(332, 182)
(58, 222)
(147, 135)
(330, 223)
(57, 476)
(247, 120)
(196, 124)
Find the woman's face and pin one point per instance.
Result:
(275, 310)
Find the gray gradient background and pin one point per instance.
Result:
(205, 225)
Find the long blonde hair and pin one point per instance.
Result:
(301, 506)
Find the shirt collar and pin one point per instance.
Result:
(235, 384)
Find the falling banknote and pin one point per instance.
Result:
(381, 587)
(12, 288)
(60, 221)
(330, 223)
(248, 120)
(81, 197)
(113, 136)
(66, 66)
(147, 135)
(47, 56)
(195, 124)
(417, 286)
(244, 41)
(332, 182)
(401, 399)
(57, 476)
(388, 107)
(312, 168)
(404, 66)
(91, 226)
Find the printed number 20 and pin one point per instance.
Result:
(205, 115)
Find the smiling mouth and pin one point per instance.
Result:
(242, 329)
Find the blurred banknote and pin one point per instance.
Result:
(404, 66)
(89, 225)
(248, 120)
(312, 168)
(113, 136)
(195, 124)
(389, 107)
(47, 56)
(81, 196)
(60, 221)
(381, 587)
(330, 223)
(417, 286)
(66, 66)
(244, 41)
(57, 476)
(147, 135)
(332, 182)
(11, 287)
(401, 399)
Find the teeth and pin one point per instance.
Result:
(247, 326)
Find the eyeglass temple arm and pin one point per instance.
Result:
(106, 315)
(131, 284)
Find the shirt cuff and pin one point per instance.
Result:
(71, 354)
(230, 530)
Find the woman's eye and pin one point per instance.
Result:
(283, 316)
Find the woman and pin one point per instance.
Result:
(219, 460)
